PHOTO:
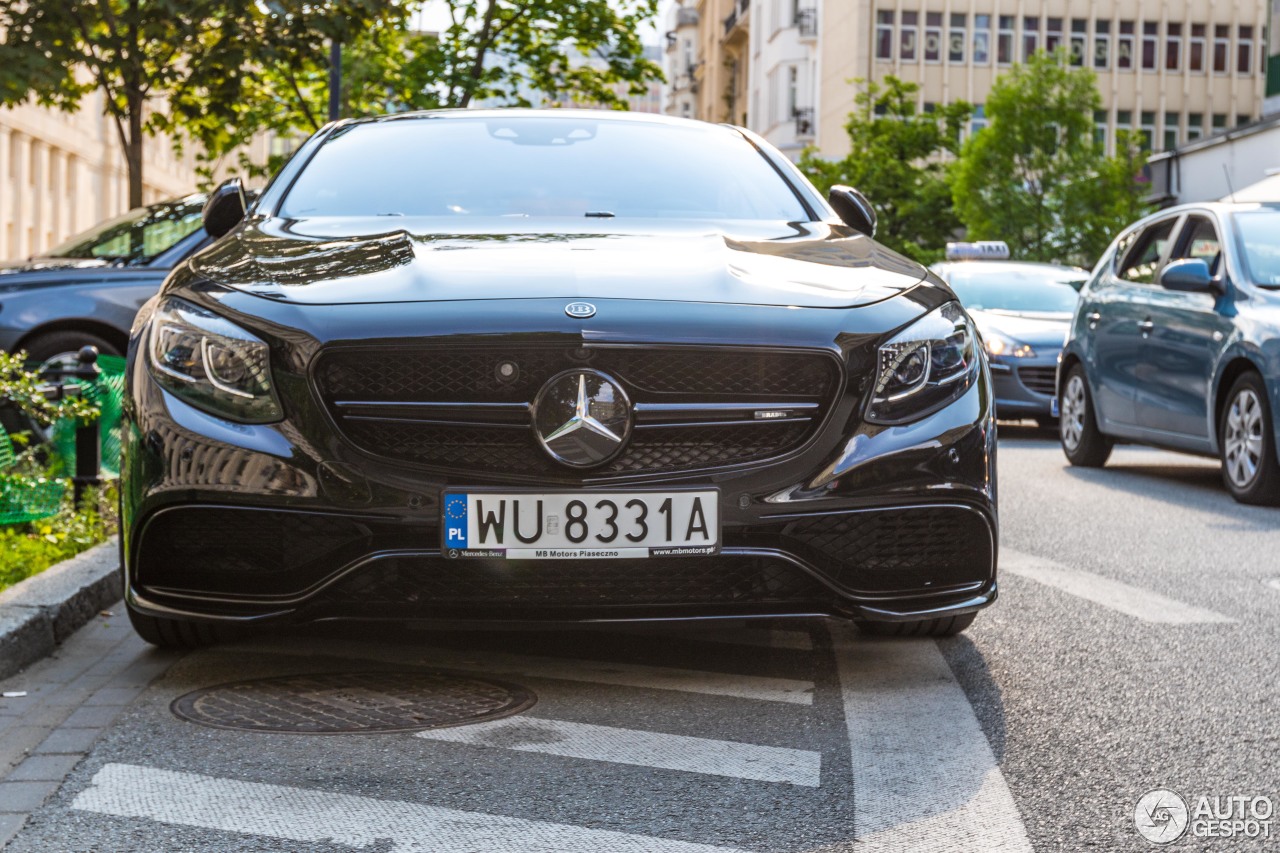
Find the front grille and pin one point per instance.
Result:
(896, 550)
(480, 421)
(494, 585)
(1041, 380)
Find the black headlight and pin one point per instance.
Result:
(211, 363)
(925, 366)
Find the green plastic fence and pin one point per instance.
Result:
(27, 498)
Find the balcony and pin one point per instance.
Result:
(735, 24)
(807, 22)
(805, 122)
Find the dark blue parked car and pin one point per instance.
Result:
(1176, 343)
(88, 290)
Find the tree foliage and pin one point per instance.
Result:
(896, 159)
(1036, 177)
(507, 51)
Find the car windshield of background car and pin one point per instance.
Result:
(1260, 245)
(541, 167)
(135, 237)
(1013, 291)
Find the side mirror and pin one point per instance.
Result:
(854, 209)
(225, 208)
(1189, 275)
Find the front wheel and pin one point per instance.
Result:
(1247, 444)
(946, 626)
(1083, 443)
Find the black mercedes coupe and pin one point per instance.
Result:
(544, 366)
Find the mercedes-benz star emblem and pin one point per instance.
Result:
(582, 418)
(580, 310)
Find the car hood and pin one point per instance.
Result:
(42, 271)
(1038, 329)
(348, 261)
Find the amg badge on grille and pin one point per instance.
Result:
(582, 418)
(580, 310)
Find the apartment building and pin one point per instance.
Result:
(1174, 70)
(62, 172)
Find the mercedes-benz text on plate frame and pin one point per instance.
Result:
(577, 525)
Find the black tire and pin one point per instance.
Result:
(1083, 443)
(1247, 443)
(946, 626)
(44, 347)
(175, 634)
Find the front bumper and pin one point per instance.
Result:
(1024, 387)
(287, 523)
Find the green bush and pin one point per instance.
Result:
(28, 549)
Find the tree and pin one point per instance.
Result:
(1036, 177)
(504, 50)
(147, 55)
(896, 159)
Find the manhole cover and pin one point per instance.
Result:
(353, 702)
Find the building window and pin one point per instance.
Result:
(1173, 47)
(907, 35)
(1150, 44)
(981, 39)
(884, 35)
(1100, 128)
(793, 90)
(1148, 130)
(1124, 46)
(1102, 44)
(1030, 37)
(1219, 121)
(979, 120)
(933, 37)
(1004, 40)
(1053, 34)
(1242, 120)
(1195, 48)
(1079, 40)
(1124, 120)
(1244, 50)
(1221, 48)
(1170, 131)
(958, 36)
(929, 106)
(1195, 126)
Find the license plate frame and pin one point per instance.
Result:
(508, 546)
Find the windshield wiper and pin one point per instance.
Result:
(599, 214)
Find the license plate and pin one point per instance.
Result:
(580, 525)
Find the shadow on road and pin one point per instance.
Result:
(971, 670)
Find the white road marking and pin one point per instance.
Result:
(1130, 600)
(758, 687)
(302, 815)
(924, 776)
(641, 748)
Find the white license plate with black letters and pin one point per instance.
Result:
(580, 525)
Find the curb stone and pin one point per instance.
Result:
(42, 611)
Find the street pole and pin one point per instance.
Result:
(335, 79)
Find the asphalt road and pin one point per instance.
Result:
(1134, 647)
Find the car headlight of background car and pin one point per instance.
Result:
(997, 344)
(925, 366)
(211, 363)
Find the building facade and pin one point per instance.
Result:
(1174, 70)
(62, 172)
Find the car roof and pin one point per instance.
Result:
(531, 113)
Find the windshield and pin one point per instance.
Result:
(138, 236)
(1028, 290)
(1260, 245)
(532, 166)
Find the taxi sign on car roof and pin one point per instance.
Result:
(985, 250)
